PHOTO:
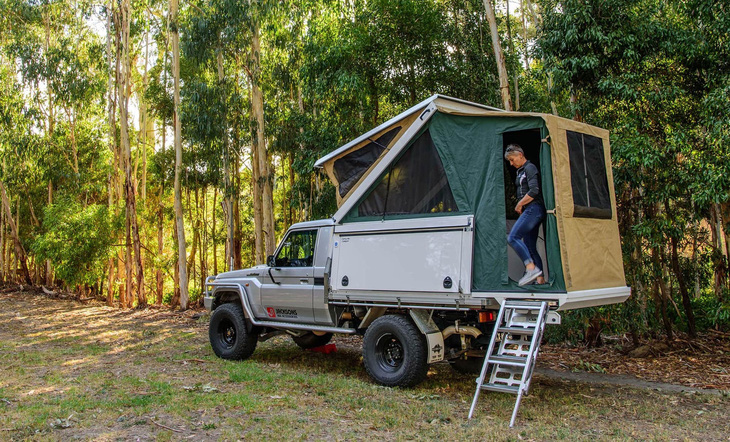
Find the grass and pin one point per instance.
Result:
(89, 372)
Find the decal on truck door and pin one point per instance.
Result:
(281, 312)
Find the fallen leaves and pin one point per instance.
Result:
(700, 363)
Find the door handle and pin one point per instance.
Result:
(304, 281)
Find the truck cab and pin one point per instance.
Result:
(291, 285)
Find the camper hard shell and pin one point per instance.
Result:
(416, 255)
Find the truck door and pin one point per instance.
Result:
(288, 296)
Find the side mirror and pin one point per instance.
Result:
(271, 261)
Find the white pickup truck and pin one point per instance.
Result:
(416, 258)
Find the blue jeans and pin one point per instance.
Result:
(523, 237)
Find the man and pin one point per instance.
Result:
(531, 207)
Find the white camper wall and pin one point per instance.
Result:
(413, 255)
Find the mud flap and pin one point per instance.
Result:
(434, 338)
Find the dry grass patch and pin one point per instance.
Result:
(91, 372)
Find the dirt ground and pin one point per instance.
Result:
(702, 363)
(72, 370)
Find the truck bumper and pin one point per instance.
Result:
(208, 302)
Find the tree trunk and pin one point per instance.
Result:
(236, 244)
(524, 35)
(147, 125)
(132, 228)
(662, 295)
(227, 191)
(203, 239)
(215, 247)
(49, 269)
(178, 156)
(720, 252)
(512, 50)
(196, 234)
(536, 23)
(19, 250)
(265, 177)
(160, 251)
(2, 246)
(499, 57)
(111, 115)
(686, 302)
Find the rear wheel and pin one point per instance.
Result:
(394, 352)
(310, 340)
(228, 334)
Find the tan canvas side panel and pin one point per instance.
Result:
(561, 185)
(590, 248)
(329, 165)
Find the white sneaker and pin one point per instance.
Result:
(529, 276)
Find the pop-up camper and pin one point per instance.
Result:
(437, 171)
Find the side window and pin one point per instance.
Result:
(588, 177)
(297, 249)
(350, 168)
(415, 184)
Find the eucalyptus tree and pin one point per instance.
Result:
(179, 223)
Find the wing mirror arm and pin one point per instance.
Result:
(271, 262)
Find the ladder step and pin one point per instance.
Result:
(513, 389)
(514, 361)
(529, 305)
(517, 330)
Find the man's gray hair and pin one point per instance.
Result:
(513, 149)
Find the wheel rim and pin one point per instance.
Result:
(389, 352)
(227, 333)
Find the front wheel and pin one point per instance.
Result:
(228, 334)
(394, 352)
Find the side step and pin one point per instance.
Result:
(521, 325)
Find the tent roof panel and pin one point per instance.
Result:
(448, 103)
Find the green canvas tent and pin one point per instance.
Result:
(444, 157)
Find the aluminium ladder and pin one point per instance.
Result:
(521, 325)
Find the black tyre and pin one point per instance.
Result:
(470, 365)
(310, 340)
(228, 334)
(394, 352)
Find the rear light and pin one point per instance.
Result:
(486, 316)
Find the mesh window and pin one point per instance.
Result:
(297, 250)
(415, 184)
(352, 166)
(588, 176)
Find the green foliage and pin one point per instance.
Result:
(655, 74)
(77, 240)
(711, 312)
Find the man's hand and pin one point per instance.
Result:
(518, 208)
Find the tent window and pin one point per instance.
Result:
(588, 177)
(349, 169)
(415, 184)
